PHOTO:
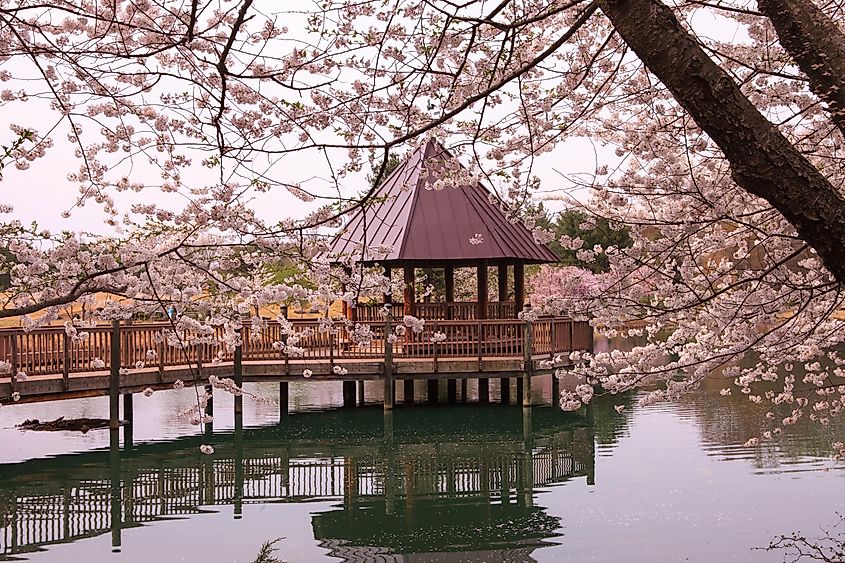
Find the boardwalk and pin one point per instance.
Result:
(58, 367)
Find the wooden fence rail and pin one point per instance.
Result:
(50, 351)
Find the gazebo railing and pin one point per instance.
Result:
(49, 351)
(454, 310)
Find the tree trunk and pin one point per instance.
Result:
(817, 45)
(763, 161)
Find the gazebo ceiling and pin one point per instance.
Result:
(410, 221)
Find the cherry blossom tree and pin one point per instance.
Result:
(727, 171)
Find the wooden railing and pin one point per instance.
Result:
(453, 310)
(50, 351)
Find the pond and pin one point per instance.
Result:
(440, 483)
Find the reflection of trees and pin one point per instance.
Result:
(609, 425)
(727, 422)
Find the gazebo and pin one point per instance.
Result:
(417, 222)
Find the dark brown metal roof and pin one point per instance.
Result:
(419, 223)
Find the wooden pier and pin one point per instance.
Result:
(106, 362)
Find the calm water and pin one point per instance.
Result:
(461, 483)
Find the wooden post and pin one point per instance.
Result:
(128, 417)
(388, 359)
(410, 292)
(348, 393)
(388, 297)
(360, 385)
(482, 291)
(503, 285)
(66, 360)
(15, 361)
(284, 400)
(408, 392)
(518, 287)
(464, 390)
(238, 374)
(449, 277)
(452, 391)
(114, 379)
(505, 382)
(528, 364)
(483, 390)
(505, 393)
(431, 385)
(209, 409)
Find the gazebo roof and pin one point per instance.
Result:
(419, 223)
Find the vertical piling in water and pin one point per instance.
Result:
(238, 376)
(505, 390)
(348, 393)
(452, 391)
(115, 496)
(209, 409)
(388, 360)
(128, 417)
(528, 363)
(464, 390)
(360, 384)
(483, 390)
(432, 391)
(390, 464)
(114, 385)
(284, 400)
(591, 433)
(239, 465)
(527, 484)
(555, 387)
(408, 392)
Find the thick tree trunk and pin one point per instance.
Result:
(817, 45)
(763, 161)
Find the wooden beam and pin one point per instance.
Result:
(449, 278)
(410, 293)
(388, 297)
(503, 283)
(482, 292)
(519, 287)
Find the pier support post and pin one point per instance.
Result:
(528, 363)
(388, 358)
(115, 499)
(432, 387)
(452, 391)
(239, 466)
(527, 484)
(360, 385)
(209, 410)
(114, 384)
(238, 374)
(483, 390)
(464, 393)
(348, 393)
(505, 393)
(555, 387)
(591, 436)
(128, 417)
(408, 392)
(284, 405)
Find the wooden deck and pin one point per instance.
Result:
(57, 367)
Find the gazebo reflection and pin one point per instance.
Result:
(436, 482)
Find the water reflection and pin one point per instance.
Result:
(415, 481)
